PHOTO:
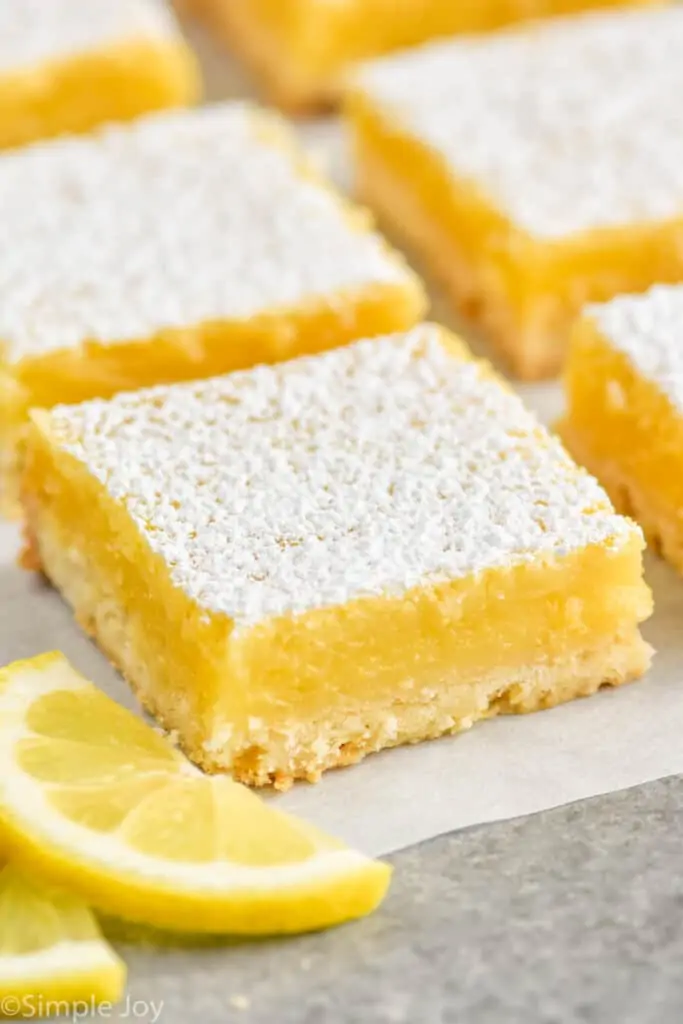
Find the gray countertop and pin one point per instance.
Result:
(575, 915)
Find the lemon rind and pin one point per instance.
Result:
(327, 889)
(69, 971)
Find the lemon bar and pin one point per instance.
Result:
(297, 565)
(534, 170)
(624, 419)
(69, 65)
(184, 245)
(301, 49)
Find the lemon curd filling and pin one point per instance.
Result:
(624, 416)
(298, 565)
(301, 49)
(180, 247)
(66, 68)
(448, 138)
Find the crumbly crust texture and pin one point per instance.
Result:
(280, 754)
(648, 330)
(367, 471)
(34, 32)
(174, 221)
(518, 106)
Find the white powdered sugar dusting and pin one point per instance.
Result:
(566, 126)
(175, 220)
(369, 470)
(648, 329)
(34, 32)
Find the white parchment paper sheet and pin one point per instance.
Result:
(500, 769)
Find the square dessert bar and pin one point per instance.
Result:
(624, 420)
(301, 49)
(184, 245)
(68, 65)
(534, 170)
(297, 565)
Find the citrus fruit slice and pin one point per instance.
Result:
(52, 954)
(94, 799)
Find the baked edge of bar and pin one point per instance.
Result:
(275, 74)
(264, 59)
(279, 755)
(663, 534)
(537, 348)
(177, 79)
(443, 260)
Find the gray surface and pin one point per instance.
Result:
(569, 916)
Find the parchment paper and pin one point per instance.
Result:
(501, 768)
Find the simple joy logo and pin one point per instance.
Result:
(34, 1007)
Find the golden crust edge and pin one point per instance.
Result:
(622, 658)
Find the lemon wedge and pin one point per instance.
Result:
(52, 955)
(93, 799)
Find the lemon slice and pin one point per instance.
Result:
(52, 954)
(94, 799)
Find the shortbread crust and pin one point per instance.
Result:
(300, 564)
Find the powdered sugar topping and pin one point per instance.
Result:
(33, 32)
(566, 125)
(369, 470)
(648, 329)
(178, 219)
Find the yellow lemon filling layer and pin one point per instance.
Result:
(524, 292)
(273, 600)
(620, 420)
(301, 50)
(180, 247)
(117, 82)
